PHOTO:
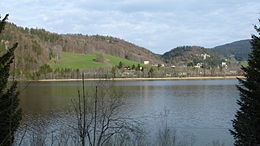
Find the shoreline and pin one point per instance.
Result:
(142, 79)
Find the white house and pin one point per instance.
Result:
(204, 56)
(199, 65)
(146, 62)
(224, 64)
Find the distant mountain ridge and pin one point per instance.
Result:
(238, 50)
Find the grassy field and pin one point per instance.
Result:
(80, 61)
(244, 63)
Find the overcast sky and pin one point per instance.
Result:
(158, 25)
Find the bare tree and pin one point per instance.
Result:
(166, 134)
(98, 116)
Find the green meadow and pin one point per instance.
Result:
(81, 61)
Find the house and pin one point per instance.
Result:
(224, 64)
(168, 75)
(204, 56)
(146, 62)
(199, 65)
(182, 74)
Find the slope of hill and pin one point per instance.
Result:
(80, 61)
(192, 54)
(37, 47)
(238, 50)
(108, 45)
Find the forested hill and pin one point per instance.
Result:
(238, 50)
(37, 46)
(193, 55)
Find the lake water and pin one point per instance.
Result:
(199, 111)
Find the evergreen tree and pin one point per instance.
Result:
(150, 73)
(113, 71)
(120, 65)
(246, 123)
(138, 67)
(10, 113)
(133, 67)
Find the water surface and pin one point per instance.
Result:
(198, 110)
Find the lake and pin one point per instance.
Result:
(199, 111)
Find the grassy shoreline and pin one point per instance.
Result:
(145, 79)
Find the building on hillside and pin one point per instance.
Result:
(146, 62)
(204, 56)
(182, 74)
(224, 64)
(168, 75)
(198, 65)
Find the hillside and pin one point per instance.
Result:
(81, 61)
(238, 50)
(37, 47)
(191, 54)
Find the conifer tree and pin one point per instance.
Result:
(246, 127)
(10, 113)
